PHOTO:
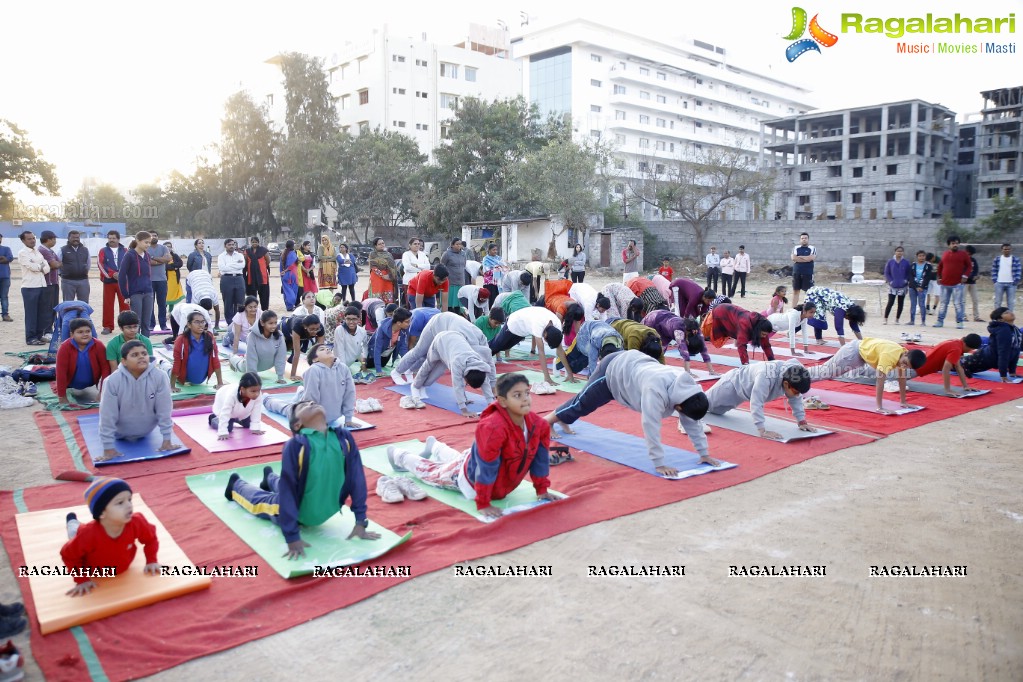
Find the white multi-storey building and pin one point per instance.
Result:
(654, 100)
(411, 85)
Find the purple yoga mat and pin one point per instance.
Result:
(197, 426)
(854, 401)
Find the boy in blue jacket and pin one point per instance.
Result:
(320, 469)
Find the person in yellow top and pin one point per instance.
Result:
(875, 358)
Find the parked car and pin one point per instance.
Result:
(362, 253)
(274, 249)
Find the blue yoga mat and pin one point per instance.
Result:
(631, 451)
(283, 421)
(992, 375)
(443, 397)
(132, 451)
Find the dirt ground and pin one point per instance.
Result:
(947, 493)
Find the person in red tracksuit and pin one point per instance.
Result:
(109, 261)
(511, 441)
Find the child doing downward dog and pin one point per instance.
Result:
(511, 441)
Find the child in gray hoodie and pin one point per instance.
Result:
(136, 398)
(468, 364)
(656, 391)
(759, 384)
(327, 382)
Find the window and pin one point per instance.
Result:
(659, 168)
(644, 143)
(699, 81)
(643, 118)
(619, 90)
(992, 192)
(804, 199)
(595, 134)
(620, 188)
(445, 132)
(857, 197)
(270, 99)
(697, 124)
(619, 115)
(363, 97)
(643, 71)
(834, 196)
(363, 126)
(661, 146)
(662, 123)
(892, 169)
(595, 108)
(621, 65)
(858, 172)
(398, 58)
(699, 102)
(671, 147)
(644, 95)
(643, 166)
(661, 76)
(345, 102)
(422, 126)
(889, 196)
(834, 171)
(919, 168)
(619, 139)
(399, 124)
(422, 94)
(399, 91)
(448, 101)
(421, 62)
(804, 176)
(619, 164)
(448, 70)
(917, 195)
(595, 83)
(661, 99)
(470, 73)
(596, 58)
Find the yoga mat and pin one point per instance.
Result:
(46, 394)
(632, 451)
(520, 499)
(330, 546)
(536, 376)
(783, 350)
(439, 395)
(992, 375)
(360, 424)
(724, 360)
(742, 422)
(131, 451)
(918, 387)
(584, 372)
(854, 401)
(42, 535)
(198, 429)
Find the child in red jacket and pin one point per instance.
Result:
(109, 541)
(511, 441)
(81, 361)
(195, 355)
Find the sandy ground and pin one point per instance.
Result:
(946, 493)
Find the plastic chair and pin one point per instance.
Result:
(858, 265)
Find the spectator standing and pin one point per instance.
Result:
(897, 273)
(727, 272)
(257, 272)
(231, 264)
(347, 272)
(630, 256)
(742, 268)
(48, 240)
(6, 256)
(134, 280)
(713, 263)
(34, 269)
(666, 271)
(971, 282)
(578, 263)
(454, 260)
(803, 255)
(413, 261)
(326, 254)
(159, 256)
(953, 271)
(74, 271)
(1006, 273)
(109, 262)
(200, 257)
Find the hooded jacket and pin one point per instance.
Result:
(67, 362)
(131, 408)
(642, 384)
(759, 384)
(1004, 346)
(503, 454)
(450, 350)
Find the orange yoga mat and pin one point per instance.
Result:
(42, 535)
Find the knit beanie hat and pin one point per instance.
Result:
(102, 490)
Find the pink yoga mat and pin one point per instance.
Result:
(855, 401)
(198, 429)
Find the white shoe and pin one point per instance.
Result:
(8, 385)
(47, 337)
(375, 404)
(11, 401)
(705, 425)
(388, 491)
(364, 405)
(419, 404)
(409, 488)
(542, 388)
(407, 402)
(397, 378)
(891, 387)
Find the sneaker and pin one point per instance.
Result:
(8, 385)
(815, 403)
(10, 401)
(72, 524)
(107, 331)
(917, 338)
(46, 338)
(11, 663)
(891, 387)
(392, 460)
(978, 319)
(705, 426)
(419, 404)
(939, 324)
(30, 389)
(397, 378)
(8, 318)
(409, 488)
(375, 404)
(388, 490)
(364, 405)
(407, 402)
(904, 336)
(9, 627)
(959, 325)
(542, 388)
(910, 323)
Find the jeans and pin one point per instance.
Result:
(917, 299)
(740, 279)
(159, 304)
(35, 299)
(956, 294)
(5, 289)
(1006, 289)
(73, 289)
(428, 302)
(142, 305)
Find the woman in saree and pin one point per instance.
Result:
(327, 256)
(289, 275)
(306, 270)
(494, 266)
(383, 273)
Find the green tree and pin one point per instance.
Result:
(381, 176)
(99, 203)
(469, 178)
(1006, 217)
(21, 164)
(243, 202)
(187, 196)
(698, 185)
(310, 111)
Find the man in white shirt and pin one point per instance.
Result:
(199, 286)
(474, 300)
(1005, 273)
(231, 264)
(181, 311)
(33, 289)
(713, 263)
(538, 323)
(742, 268)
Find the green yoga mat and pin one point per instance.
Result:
(48, 397)
(535, 377)
(522, 498)
(330, 546)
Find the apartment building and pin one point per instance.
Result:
(1000, 166)
(883, 161)
(655, 101)
(964, 189)
(412, 86)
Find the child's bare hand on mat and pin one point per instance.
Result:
(294, 377)
(546, 497)
(220, 384)
(167, 445)
(771, 435)
(152, 569)
(667, 471)
(109, 454)
(707, 459)
(223, 436)
(81, 588)
(491, 512)
(364, 533)
(469, 414)
(296, 549)
(570, 379)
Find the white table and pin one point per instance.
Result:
(877, 284)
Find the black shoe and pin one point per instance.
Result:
(229, 491)
(211, 419)
(13, 610)
(265, 483)
(11, 626)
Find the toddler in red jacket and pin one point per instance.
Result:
(110, 540)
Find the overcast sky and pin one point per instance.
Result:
(126, 92)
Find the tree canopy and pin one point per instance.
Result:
(22, 164)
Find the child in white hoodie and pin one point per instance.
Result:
(240, 404)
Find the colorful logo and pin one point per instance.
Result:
(818, 35)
